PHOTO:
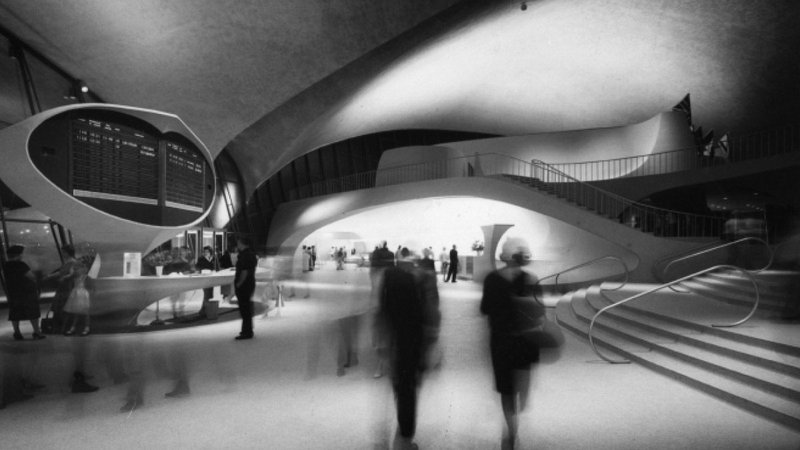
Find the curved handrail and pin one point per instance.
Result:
(587, 190)
(587, 263)
(726, 244)
(649, 291)
(492, 164)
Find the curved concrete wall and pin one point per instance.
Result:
(665, 131)
(576, 234)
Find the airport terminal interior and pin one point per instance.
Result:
(638, 160)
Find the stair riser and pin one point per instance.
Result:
(719, 332)
(748, 358)
(742, 291)
(722, 370)
(756, 408)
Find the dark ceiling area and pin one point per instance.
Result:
(273, 80)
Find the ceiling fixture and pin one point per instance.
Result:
(77, 91)
(523, 6)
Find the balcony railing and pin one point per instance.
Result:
(740, 148)
(535, 174)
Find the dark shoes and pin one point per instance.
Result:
(243, 337)
(18, 337)
(80, 386)
(71, 332)
(130, 406)
(38, 336)
(181, 390)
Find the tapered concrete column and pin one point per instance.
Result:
(485, 263)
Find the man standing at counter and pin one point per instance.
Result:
(245, 285)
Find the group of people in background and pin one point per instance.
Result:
(71, 303)
(309, 254)
(70, 306)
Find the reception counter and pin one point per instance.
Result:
(117, 301)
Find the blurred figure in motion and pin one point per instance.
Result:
(341, 254)
(18, 367)
(22, 293)
(427, 261)
(80, 352)
(208, 263)
(409, 316)
(179, 265)
(306, 257)
(380, 259)
(64, 288)
(228, 261)
(444, 260)
(132, 352)
(507, 295)
(176, 355)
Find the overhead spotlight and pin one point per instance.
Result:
(77, 91)
(523, 6)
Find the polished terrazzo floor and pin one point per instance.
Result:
(281, 391)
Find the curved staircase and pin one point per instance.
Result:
(755, 366)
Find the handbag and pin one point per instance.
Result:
(542, 339)
(48, 325)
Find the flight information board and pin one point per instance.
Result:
(114, 162)
(124, 166)
(186, 174)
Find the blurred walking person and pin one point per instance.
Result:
(409, 316)
(508, 296)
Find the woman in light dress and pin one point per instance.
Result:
(78, 303)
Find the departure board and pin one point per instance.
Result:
(113, 162)
(185, 182)
(124, 166)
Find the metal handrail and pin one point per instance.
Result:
(587, 263)
(760, 144)
(568, 185)
(649, 291)
(726, 244)
(495, 164)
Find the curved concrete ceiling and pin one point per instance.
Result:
(272, 80)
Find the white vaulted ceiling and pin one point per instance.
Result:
(271, 80)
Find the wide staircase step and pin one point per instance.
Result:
(755, 365)
(776, 295)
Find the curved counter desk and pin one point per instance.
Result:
(117, 301)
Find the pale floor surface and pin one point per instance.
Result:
(281, 391)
